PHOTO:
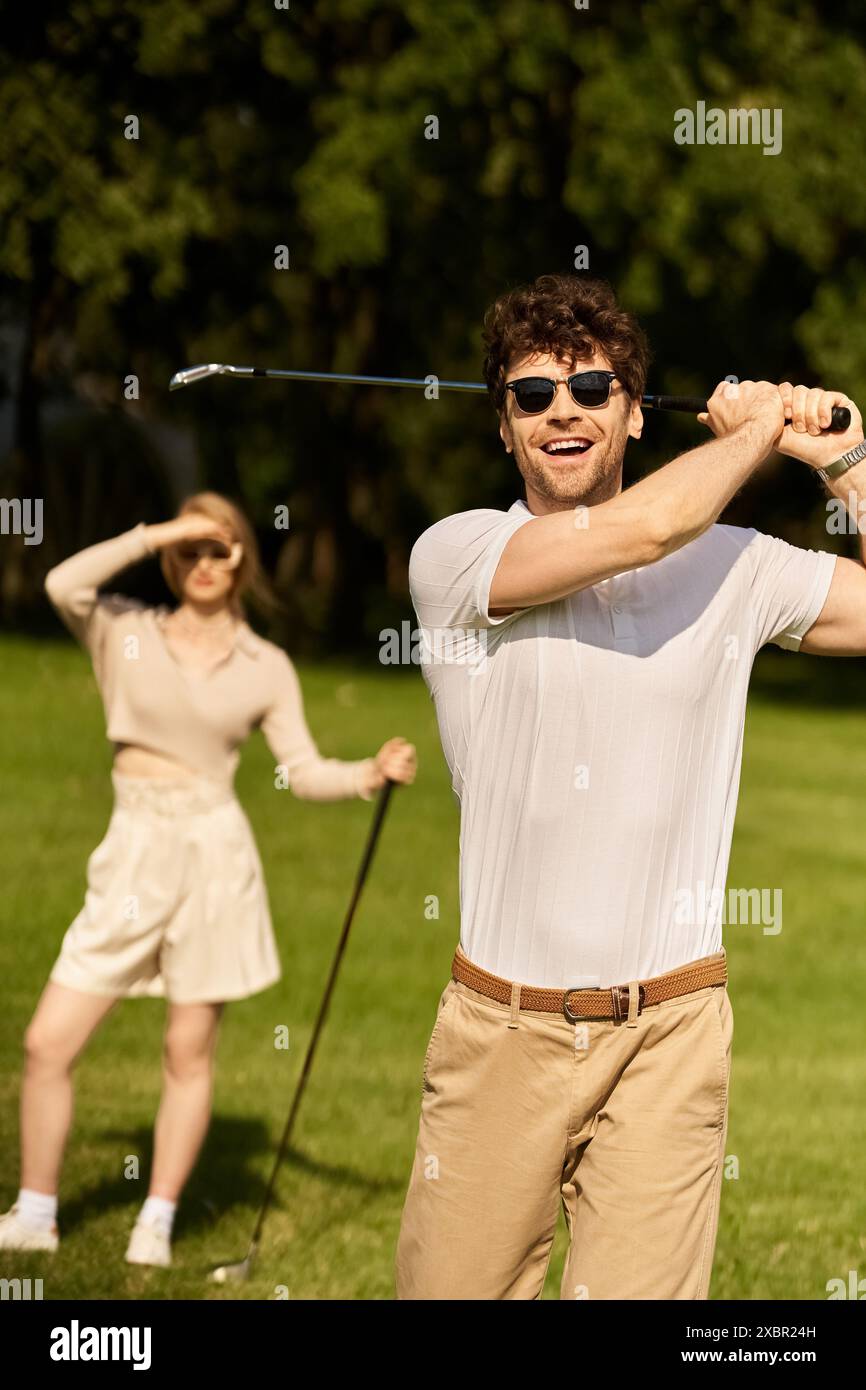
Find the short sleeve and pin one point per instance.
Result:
(452, 565)
(789, 589)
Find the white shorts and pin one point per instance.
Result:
(176, 904)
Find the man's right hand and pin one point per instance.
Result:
(754, 406)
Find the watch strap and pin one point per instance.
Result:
(841, 465)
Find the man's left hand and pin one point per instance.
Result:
(808, 409)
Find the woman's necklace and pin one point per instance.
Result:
(207, 633)
(198, 645)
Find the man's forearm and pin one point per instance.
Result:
(564, 551)
(850, 488)
(691, 492)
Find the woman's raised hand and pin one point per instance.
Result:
(192, 526)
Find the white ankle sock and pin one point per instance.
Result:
(37, 1209)
(158, 1212)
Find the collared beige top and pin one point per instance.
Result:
(197, 718)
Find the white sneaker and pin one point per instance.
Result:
(15, 1235)
(148, 1246)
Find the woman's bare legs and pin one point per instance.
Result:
(64, 1021)
(184, 1110)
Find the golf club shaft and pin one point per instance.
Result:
(372, 839)
(689, 405)
(192, 374)
(840, 416)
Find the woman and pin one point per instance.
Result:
(175, 904)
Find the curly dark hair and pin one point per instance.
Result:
(570, 316)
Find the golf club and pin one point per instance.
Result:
(690, 405)
(242, 1269)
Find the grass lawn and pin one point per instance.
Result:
(793, 1217)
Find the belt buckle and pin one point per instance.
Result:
(619, 995)
(577, 1018)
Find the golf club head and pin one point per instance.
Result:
(193, 374)
(225, 1274)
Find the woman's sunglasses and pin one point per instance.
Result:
(219, 555)
(534, 394)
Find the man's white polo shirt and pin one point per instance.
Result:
(595, 743)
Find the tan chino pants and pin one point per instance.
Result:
(625, 1125)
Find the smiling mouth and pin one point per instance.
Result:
(567, 448)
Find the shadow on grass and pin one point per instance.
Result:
(232, 1171)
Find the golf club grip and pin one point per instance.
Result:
(695, 405)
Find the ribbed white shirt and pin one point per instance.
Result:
(595, 743)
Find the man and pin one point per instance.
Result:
(591, 651)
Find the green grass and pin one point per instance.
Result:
(793, 1218)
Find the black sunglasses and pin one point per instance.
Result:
(534, 394)
(192, 552)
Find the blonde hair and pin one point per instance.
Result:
(249, 577)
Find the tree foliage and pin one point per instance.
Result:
(306, 127)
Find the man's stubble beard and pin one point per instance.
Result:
(572, 483)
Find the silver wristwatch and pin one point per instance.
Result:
(841, 465)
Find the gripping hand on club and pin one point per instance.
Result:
(396, 761)
(754, 406)
(808, 410)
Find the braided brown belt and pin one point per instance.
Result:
(594, 1003)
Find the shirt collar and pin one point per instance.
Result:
(246, 640)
